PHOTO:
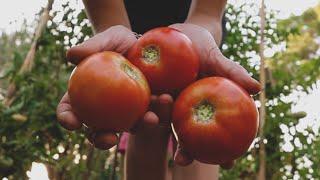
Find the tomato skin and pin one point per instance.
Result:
(104, 97)
(178, 62)
(233, 127)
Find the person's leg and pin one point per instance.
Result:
(196, 171)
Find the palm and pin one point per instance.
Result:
(118, 39)
(212, 61)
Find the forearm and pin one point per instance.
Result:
(106, 13)
(146, 156)
(208, 14)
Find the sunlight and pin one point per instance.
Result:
(38, 171)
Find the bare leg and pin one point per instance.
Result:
(196, 171)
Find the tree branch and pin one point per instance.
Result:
(262, 98)
(29, 60)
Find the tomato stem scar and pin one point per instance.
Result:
(151, 54)
(203, 112)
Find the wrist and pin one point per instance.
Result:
(210, 23)
(205, 20)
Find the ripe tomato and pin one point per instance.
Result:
(167, 58)
(107, 92)
(215, 120)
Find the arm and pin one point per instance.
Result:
(203, 27)
(208, 14)
(146, 156)
(147, 148)
(106, 13)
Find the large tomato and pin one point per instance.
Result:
(107, 92)
(167, 58)
(215, 120)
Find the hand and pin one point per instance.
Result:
(118, 39)
(213, 63)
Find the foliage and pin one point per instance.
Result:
(294, 67)
(29, 130)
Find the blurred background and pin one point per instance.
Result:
(34, 36)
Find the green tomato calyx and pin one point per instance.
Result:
(203, 112)
(151, 54)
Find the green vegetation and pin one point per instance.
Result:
(29, 131)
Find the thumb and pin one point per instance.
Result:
(219, 65)
(116, 38)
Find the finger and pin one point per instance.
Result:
(103, 140)
(222, 66)
(116, 38)
(65, 115)
(153, 102)
(227, 165)
(164, 109)
(182, 158)
(149, 120)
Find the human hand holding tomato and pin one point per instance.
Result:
(118, 39)
(213, 63)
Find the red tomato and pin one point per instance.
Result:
(215, 120)
(167, 58)
(107, 92)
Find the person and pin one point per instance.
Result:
(114, 23)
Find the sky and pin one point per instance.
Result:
(285, 7)
(12, 15)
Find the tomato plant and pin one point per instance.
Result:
(167, 58)
(107, 92)
(215, 120)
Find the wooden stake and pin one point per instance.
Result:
(262, 98)
(29, 60)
